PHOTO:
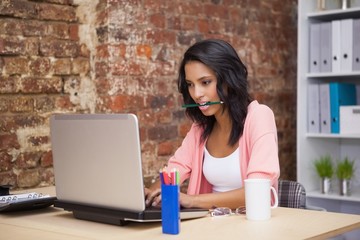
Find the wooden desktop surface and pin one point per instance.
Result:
(285, 223)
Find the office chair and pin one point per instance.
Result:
(293, 195)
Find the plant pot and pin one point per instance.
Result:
(325, 185)
(344, 187)
(345, 4)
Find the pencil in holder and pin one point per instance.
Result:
(170, 209)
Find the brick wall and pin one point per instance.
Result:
(112, 56)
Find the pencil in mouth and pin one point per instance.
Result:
(203, 104)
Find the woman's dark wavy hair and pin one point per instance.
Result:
(232, 85)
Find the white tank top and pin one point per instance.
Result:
(223, 173)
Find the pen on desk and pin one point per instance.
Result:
(198, 105)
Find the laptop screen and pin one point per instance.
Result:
(97, 160)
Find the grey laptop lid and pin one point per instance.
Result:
(97, 160)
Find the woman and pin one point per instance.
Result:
(231, 140)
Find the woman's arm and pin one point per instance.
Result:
(232, 199)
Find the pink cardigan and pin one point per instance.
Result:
(258, 151)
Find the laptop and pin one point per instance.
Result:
(98, 169)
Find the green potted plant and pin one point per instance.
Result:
(325, 169)
(345, 170)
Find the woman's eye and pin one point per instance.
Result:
(189, 84)
(206, 82)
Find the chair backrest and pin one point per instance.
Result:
(291, 194)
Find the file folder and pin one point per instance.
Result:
(356, 39)
(325, 46)
(336, 47)
(314, 49)
(325, 123)
(313, 108)
(346, 45)
(341, 94)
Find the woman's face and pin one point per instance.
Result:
(201, 81)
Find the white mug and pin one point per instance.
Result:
(258, 199)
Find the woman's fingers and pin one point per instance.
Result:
(152, 197)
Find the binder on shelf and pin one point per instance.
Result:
(336, 46)
(341, 94)
(346, 45)
(313, 108)
(325, 123)
(356, 42)
(314, 48)
(358, 94)
(325, 47)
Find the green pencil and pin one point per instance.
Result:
(198, 105)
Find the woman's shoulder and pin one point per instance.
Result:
(260, 117)
(259, 109)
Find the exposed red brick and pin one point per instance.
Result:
(158, 20)
(4, 105)
(161, 36)
(11, 26)
(127, 68)
(9, 84)
(62, 66)
(184, 128)
(28, 160)
(16, 65)
(5, 161)
(22, 105)
(46, 159)
(63, 103)
(84, 51)
(11, 46)
(8, 141)
(101, 69)
(41, 85)
(28, 178)
(144, 50)
(39, 66)
(163, 132)
(19, 8)
(131, 58)
(8, 178)
(34, 28)
(56, 12)
(59, 48)
(45, 104)
(74, 32)
(203, 25)
(165, 149)
(80, 66)
(59, 30)
(189, 23)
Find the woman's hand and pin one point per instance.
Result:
(152, 197)
(186, 201)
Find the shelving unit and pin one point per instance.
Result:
(311, 146)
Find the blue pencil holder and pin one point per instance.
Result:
(170, 209)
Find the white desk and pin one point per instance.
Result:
(286, 223)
